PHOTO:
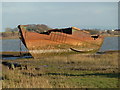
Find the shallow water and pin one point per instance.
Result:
(12, 45)
(14, 58)
(110, 43)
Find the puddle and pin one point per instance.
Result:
(15, 57)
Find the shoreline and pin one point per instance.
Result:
(3, 38)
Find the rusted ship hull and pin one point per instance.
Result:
(55, 41)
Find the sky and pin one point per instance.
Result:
(59, 0)
(101, 15)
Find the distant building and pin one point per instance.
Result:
(113, 30)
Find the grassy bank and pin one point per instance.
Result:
(64, 71)
(9, 35)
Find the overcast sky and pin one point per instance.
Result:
(61, 14)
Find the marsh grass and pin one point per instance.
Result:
(64, 71)
(15, 79)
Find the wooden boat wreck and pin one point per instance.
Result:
(59, 40)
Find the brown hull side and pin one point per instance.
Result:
(58, 41)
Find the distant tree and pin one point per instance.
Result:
(13, 33)
(92, 31)
(4, 34)
(0, 34)
(11, 29)
(15, 29)
(109, 31)
(8, 29)
(38, 28)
